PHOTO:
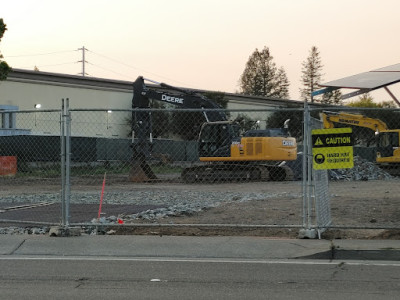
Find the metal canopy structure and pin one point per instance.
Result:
(365, 82)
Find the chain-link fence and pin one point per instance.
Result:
(30, 176)
(363, 194)
(170, 168)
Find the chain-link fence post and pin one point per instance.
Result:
(304, 166)
(307, 175)
(62, 156)
(65, 161)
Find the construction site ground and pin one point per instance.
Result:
(353, 203)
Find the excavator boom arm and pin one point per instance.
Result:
(182, 98)
(330, 118)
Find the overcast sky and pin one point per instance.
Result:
(200, 44)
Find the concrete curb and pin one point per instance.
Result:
(199, 247)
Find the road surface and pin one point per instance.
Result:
(57, 277)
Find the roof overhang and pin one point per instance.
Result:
(365, 82)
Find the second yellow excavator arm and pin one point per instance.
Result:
(330, 118)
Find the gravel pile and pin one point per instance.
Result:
(22, 230)
(182, 203)
(172, 203)
(143, 197)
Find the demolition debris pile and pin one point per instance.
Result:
(362, 170)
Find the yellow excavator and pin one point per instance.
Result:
(387, 140)
(255, 155)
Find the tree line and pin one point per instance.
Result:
(261, 77)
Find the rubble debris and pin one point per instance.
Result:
(24, 230)
(61, 231)
(363, 170)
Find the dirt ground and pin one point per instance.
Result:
(364, 204)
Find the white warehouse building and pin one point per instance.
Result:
(32, 91)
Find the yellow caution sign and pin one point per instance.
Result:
(332, 148)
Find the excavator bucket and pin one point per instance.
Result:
(140, 171)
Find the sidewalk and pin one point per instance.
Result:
(252, 248)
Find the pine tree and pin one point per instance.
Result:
(262, 78)
(284, 84)
(312, 74)
(4, 67)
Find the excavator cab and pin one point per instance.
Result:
(387, 145)
(215, 138)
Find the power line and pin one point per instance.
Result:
(60, 64)
(135, 68)
(84, 62)
(40, 54)
(122, 63)
(52, 65)
(109, 70)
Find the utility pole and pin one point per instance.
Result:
(83, 61)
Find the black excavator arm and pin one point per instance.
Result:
(142, 122)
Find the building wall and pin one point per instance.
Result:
(24, 89)
(26, 94)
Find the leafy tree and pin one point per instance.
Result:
(4, 67)
(312, 74)
(382, 111)
(245, 122)
(277, 119)
(366, 100)
(217, 97)
(262, 78)
(334, 97)
(387, 104)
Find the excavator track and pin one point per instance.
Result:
(392, 169)
(236, 172)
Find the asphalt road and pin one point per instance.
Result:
(55, 277)
(168, 267)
